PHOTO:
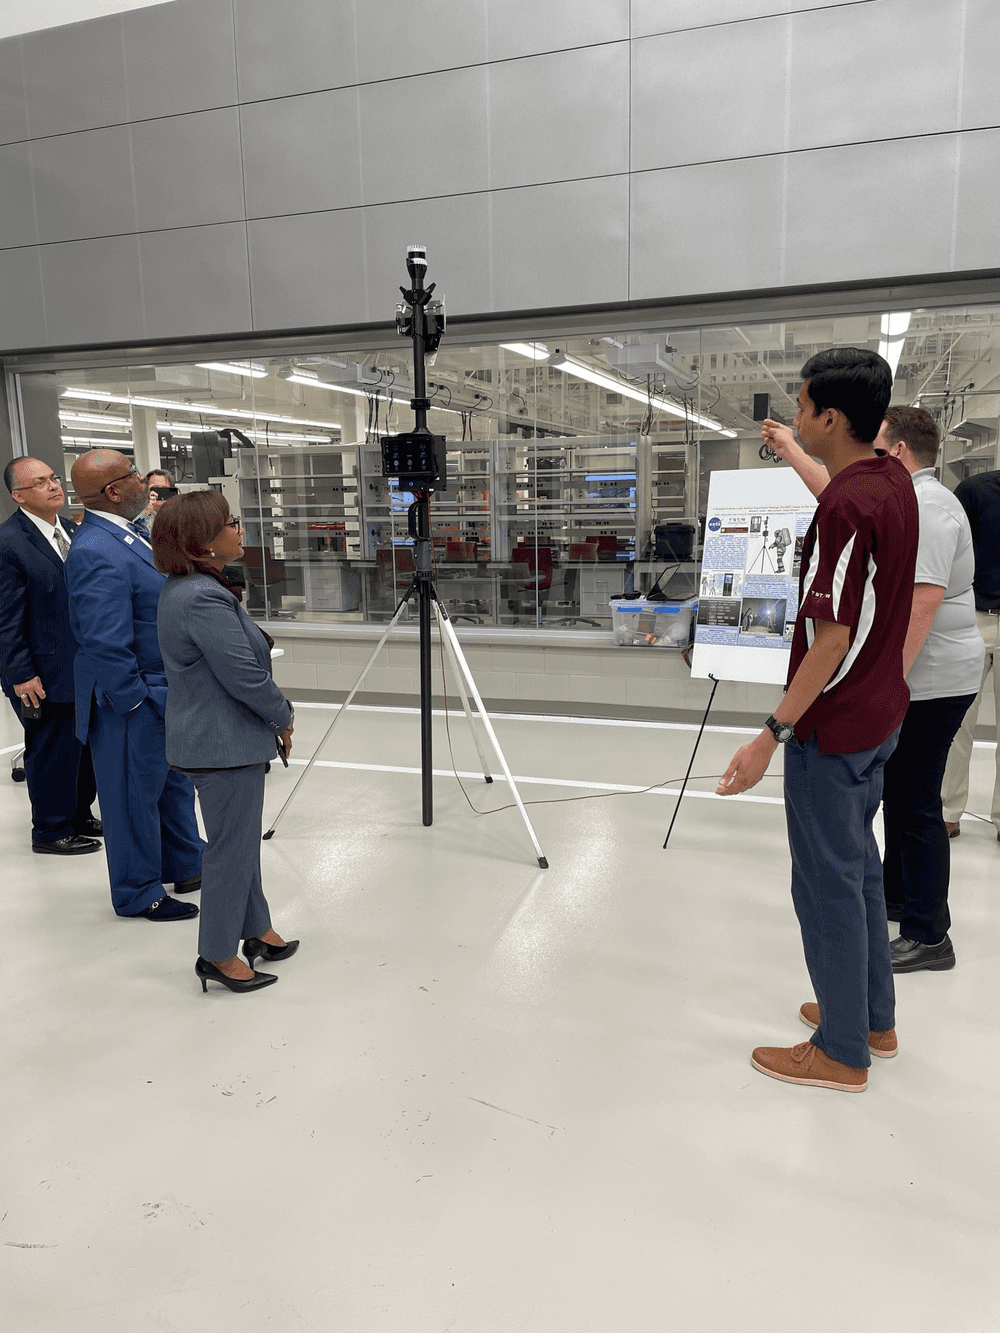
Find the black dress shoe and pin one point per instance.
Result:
(912, 956)
(165, 909)
(74, 845)
(90, 828)
(271, 953)
(209, 972)
(189, 885)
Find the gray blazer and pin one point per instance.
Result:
(223, 708)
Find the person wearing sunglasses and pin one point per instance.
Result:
(37, 649)
(225, 720)
(151, 835)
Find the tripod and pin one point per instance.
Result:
(417, 460)
(763, 552)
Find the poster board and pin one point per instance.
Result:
(749, 578)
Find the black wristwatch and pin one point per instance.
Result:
(781, 731)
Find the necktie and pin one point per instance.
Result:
(138, 526)
(61, 541)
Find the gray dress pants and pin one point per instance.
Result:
(233, 906)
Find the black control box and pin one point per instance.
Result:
(417, 459)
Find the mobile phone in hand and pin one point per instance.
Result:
(30, 712)
(281, 751)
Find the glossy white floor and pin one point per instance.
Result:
(485, 1097)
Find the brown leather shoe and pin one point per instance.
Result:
(879, 1043)
(953, 829)
(807, 1064)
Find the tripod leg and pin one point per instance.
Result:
(487, 777)
(340, 712)
(459, 657)
(680, 794)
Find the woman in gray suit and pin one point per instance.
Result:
(225, 719)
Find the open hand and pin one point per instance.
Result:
(748, 765)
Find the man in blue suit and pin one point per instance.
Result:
(37, 649)
(151, 835)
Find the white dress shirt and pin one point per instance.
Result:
(48, 531)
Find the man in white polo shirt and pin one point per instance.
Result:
(943, 664)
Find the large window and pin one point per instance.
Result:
(577, 467)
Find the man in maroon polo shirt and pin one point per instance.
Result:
(843, 705)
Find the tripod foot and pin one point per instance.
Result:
(268, 834)
(543, 864)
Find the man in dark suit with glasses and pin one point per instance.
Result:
(37, 650)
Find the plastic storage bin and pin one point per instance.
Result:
(642, 624)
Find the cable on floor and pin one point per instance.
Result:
(554, 800)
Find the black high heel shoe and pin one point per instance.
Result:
(209, 972)
(255, 948)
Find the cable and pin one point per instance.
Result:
(557, 800)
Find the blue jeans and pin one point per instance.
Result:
(830, 801)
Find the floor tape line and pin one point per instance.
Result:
(525, 781)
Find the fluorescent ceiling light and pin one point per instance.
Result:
(111, 423)
(89, 439)
(235, 368)
(894, 327)
(618, 386)
(196, 409)
(534, 351)
(180, 427)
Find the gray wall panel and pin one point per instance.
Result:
(456, 232)
(13, 104)
(977, 222)
(74, 77)
(83, 184)
(298, 46)
(187, 170)
(302, 154)
(700, 96)
(525, 27)
(22, 310)
(453, 162)
(576, 99)
(195, 281)
(981, 61)
(651, 16)
(17, 204)
(563, 244)
(179, 57)
(887, 69)
(839, 224)
(397, 38)
(709, 228)
(310, 270)
(92, 291)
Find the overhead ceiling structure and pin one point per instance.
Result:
(671, 385)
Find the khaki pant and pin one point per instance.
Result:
(955, 788)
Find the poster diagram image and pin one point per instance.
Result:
(797, 558)
(768, 543)
(719, 612)
(764, 616)
(722, 582)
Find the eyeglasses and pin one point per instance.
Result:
(132, 472)
(234, 523)
(45, 481)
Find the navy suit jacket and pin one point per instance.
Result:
(223, 708)
(35, 634)
(113, 590)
